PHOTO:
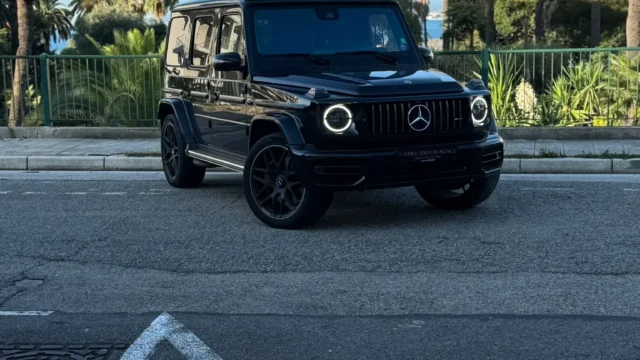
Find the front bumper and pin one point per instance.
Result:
(407, 166)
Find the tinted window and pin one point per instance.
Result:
(177, 44)
(231, 39)
(328, 30)
(202, 40)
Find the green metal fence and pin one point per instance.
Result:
(541, 87)
(555, 87)
(86, 90)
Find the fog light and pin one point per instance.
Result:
(338, 118)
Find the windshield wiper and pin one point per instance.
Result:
(380, 55)
(313, 58)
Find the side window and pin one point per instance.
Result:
(231, 39)
(177, 44)
(202, 40)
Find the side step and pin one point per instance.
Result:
(215, 160)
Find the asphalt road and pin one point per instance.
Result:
(548, 268)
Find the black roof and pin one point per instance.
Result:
(196, 4)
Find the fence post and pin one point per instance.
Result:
(485, 57)
(44, 80)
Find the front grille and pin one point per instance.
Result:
(393, 118)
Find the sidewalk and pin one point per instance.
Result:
(540, 156)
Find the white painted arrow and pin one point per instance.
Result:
(166, 327)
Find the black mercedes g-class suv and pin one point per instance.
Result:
(316, 96)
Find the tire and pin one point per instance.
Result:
(451, 197)
(179, 169)
(273, 192)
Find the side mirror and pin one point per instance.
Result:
(427, 54)
(228, 62)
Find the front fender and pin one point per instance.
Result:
(288, 124)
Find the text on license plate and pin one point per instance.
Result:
(427, 153)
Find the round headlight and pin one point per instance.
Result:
(479, 110)
(338, 118)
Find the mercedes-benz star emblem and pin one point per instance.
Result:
(419, 118)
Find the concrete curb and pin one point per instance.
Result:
(570, 133)
(510, 166)
(132, 163)
(523, 133)
(79, 133)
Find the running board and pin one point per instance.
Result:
(215, 161)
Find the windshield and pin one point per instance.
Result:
(341, 34)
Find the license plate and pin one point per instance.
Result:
(426, 155)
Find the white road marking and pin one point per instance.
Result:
(150, 193)
(25, 313)
(549, 189)
(33, 193)
(154, 190)
(114, 193)
(166, 327)
(76, 193)
(631, 189)
(4, 192)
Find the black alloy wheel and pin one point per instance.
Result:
(274, 192)
(273, 183)
(179, 169)
(170, 149)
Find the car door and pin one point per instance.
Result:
(230, 118)
(200, 69)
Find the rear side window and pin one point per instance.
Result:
(202, 40)
(177, 44)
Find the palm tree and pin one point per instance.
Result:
(445, 25)
(15, 117)
(490, 36)
(633, 24)
(156, 7)
(121, 92)
(422, 8)
(596, 20)
(53, 22)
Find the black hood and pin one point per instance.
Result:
(371, 83)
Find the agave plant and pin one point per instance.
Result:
(579, 94)
(503, 79)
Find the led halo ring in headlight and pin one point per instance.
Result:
(479, 110)
(346, 121)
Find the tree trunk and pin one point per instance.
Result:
(20, 70)
(445, 25)
(596, 21)
(633, 24)
(426, 32)
(13, 24)
(472, 43)
(490, 36)
(540, 23)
